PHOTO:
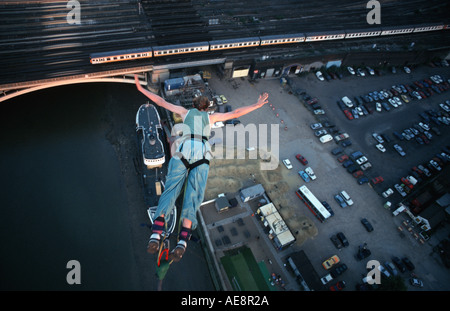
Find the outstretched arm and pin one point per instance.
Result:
(263, 99)
(160, 101)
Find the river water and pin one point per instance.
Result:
(62, 195)
(71, 189)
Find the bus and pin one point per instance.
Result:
(313, 203)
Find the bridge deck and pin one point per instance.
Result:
(37, 42)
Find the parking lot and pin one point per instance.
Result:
(296, 137)
(390, 165)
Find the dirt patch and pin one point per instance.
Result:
(230, 175)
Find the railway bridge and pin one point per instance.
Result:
(40, 47)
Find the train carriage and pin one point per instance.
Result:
(362, 33)
(180, 49)
(396, 30)
(121, 55)
(423, 28)
(325, 35)
(234, 43)
(282, 39)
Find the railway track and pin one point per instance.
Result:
(37, 42)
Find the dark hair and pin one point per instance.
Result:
(201, 102)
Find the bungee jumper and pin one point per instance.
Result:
(188, 167)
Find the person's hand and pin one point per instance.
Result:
(263, 99)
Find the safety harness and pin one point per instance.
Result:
(190, 166)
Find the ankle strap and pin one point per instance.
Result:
(185, 234)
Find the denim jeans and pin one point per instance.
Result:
(175, 180)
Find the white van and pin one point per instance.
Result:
(347, 101)
(412, 180)
(326, 138)
(366, 166)
(346, 197)
(402, 208)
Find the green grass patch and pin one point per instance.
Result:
(243, 272)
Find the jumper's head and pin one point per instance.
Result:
(201, 103)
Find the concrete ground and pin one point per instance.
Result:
(295, 136)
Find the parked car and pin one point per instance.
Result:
(399, 264)
(378, 107)
(338, 270)
(327, 278)
(363, 180)
(346, 197)
(357, 154)
(387, 193)
(287, 163)
(347, 101)
(302, 159)
(319, 76)
(378, 138)
(348, 114)
(399, 149)
(367, 225)
(363, 252)
(361, 160)
(385, 106)
(384, 271)
(358, 174)
(341, 236)
(366, 166)
(377, 180)
(351, 70)
(360, 72)
(342, 158)
(380, 147)
(352, 168)
(405, 98)
(328, 207)
(304, 176)
(340, 201)
(348, 163)
(326, 138)
(346, 143)
(409, 265)
(223, 98)
(400, 190)
(416, 282)
(310, 173)
(218, 100)
(425, 126)
(316, 126)
(337, 243)
(336, 151)
(371, 71)
(435, 165)
(338, 286)
(341, 137)
(319, 133)
(391, 268)
(319, 111)
(398, 135)
(330, 262)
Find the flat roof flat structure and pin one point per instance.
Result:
(279, 231)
